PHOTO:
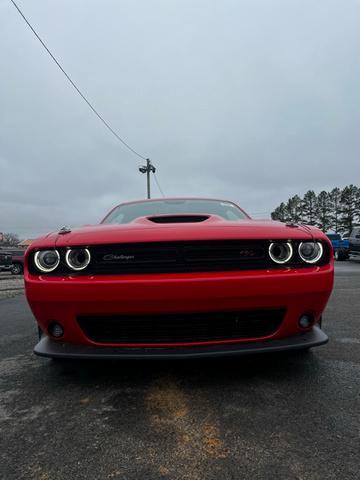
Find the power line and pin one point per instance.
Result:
(158, 184)
(75, 86)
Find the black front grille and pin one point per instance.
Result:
(173, 257)
(178, 257)
(181, 328)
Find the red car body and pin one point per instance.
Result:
(185, 285)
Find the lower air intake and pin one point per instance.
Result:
(181, 328)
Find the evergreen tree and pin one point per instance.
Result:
(357, 206)
(294, 209)
(323, 211)
(338, 209)
(280, 213)
(335, 201)
(309, 208)
(349, 208)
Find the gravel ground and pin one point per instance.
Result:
(281, 417)
(10, 285)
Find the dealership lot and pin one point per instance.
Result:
(288, 416)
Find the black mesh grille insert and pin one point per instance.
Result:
(178, 257)
(181, 328)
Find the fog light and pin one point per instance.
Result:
(55, 330)
(306, 321)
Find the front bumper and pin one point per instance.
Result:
(64, 299)
(48, 348)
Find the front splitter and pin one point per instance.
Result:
(48, 348)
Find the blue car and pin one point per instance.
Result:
(340, 246)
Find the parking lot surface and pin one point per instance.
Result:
(280, 416)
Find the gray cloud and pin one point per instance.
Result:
(247, 100)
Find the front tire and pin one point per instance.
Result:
(17, 269)
(340, 255)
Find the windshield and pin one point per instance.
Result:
(333, 236)
(128, 212)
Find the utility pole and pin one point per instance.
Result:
(148, 168)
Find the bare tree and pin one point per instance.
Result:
(10, 240)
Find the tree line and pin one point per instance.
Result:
(337, 210)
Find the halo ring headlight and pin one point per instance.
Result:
(77, 258)
(310, 252)
(280, 252)
(46, 260)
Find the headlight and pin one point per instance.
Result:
(47, 260)
(310, 252)
(280, 252)
(78, 258)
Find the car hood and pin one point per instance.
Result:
(212, 228)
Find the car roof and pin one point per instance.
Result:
(165, 199)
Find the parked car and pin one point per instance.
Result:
(5, 261)
(17, 262)
(354, 242)
(178, 278)
(340, 246)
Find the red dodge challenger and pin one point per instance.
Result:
(187, 277)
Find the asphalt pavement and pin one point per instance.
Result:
(279, 416)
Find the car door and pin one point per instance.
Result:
(354, 241)
(5, 259)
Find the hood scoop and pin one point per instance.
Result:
(178, 218)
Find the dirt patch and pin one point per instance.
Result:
(192, 442)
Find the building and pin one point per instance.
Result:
(26, 243)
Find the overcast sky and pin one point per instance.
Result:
(251, 101)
